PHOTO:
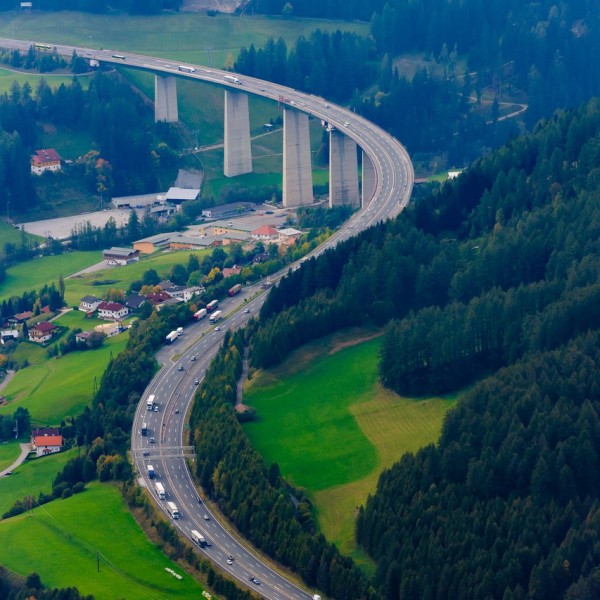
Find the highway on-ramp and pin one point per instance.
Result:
(172, 388)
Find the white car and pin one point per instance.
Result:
(217, 329)
(229, 561)
(247, 311)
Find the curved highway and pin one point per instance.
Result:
(185, 362)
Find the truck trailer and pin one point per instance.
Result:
(173, 510)
(212, 305)
(236, 289)
(232, 79)
(160, 490)
(200, 314)
(198, 538)
(171, 337)
(151, 472)
(215, 316)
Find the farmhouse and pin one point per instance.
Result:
(89, 304)
(45, 161)
(39, 431)
(42, 332)
(112, 311)
(120, 256)
(183, 292)
(21, 317)
(47, 444)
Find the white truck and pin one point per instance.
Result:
(160, 490)
(179, 331)
(232, 79)
(150, 402)
(216, 316)
(200, 314)
(173, 510)
(198, 538)
(171, 337)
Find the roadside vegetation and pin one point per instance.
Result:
(99, 563)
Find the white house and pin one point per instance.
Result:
(89, 304)
(112, 311)
(47, 444)
(45, 160)
(265, 233)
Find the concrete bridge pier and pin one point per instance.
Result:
(238, 150)
(297, 165)
(343, 170)
(165, 99)
(368, 179)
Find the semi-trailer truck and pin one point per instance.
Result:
(235, 289)
(212, 305)
(179, 331)
(173, 510)
(150, 402)
(198, 538)
(171, 337)
(151, 472)
(215, 316)
(232, 79)
(200, 314)
(160, 490)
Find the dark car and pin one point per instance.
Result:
(180, 368)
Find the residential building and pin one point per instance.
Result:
(134, 301)
(42, 332)
(89, 304)
(112, 311)
(44, 161)
(231, 271)
(47, 444)
(265, 233)
(288, 236)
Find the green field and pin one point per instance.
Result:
(91, 528)
(33, 274)
(11, 235)
(332, 428)
(32, 477)
(189, 37)
(9, 452)
(52, 389)
(122, 277)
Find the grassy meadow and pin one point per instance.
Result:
(188, 37)
(52, 389)
(33, 274)
(9, 452)
(32, 477)
(135, 569)
(99, 282)
(332, 428)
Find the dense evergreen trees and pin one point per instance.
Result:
(497, 269)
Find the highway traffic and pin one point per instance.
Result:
(185, 362)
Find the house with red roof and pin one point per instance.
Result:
(47, 444)
(42, 332)
(265, 233)
(45, 160)
(112, 311)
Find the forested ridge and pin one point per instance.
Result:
(496, 275)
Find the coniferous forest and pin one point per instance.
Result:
(493, 282)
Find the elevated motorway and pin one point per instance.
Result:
(184, 363)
